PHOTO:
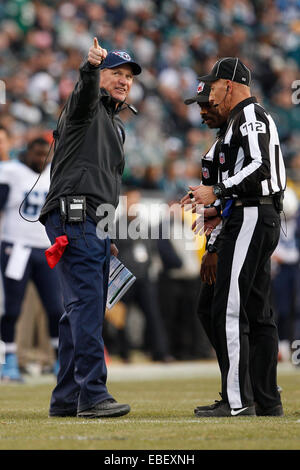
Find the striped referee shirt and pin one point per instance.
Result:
(211, 175)
(210, 161)
(250, 160)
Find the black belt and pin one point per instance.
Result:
(260, 201)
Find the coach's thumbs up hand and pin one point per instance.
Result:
(96, 53)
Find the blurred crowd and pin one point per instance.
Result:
(42, 44)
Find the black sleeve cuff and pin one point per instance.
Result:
(218, 209)
(87, 67)
(211, 248)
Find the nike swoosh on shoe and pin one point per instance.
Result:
(237, 412)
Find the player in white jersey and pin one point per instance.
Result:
(23, 247)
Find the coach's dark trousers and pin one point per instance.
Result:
(243, 330)
(83, 272)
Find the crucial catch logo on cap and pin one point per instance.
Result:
(200, 87)
(122, 54)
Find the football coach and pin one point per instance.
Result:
(86, 172)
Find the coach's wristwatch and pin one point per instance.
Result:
(217, 191)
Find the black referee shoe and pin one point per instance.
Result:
(106, 409)
(223, 410)
(276, 410)
(215, 405)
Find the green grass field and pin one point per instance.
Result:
(161, 418)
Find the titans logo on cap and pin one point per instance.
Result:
(122, 54)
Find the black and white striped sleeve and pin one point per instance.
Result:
(251, 136)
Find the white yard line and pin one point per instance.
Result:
(157, 371)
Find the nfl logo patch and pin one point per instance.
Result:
(221, 158)
(200, 87)
(205, 172)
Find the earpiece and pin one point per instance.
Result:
(227, 90)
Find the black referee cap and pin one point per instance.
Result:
(203, 91)
(229, 68)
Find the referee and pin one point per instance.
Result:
(253, 180)
(210, 175)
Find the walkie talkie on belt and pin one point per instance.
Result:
(73, 208)
(278, 201)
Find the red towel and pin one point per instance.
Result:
(55, 252)
(106, 356)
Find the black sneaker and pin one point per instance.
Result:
(63, 413)
(222, 409)
(106, 409)
(276, 410)
(215, 405)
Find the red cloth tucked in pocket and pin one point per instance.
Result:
(55, 252)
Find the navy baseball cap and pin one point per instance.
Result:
(229, 68)
(116, 58)
(202, 96)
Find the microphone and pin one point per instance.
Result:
(216, 105)
(132, 108)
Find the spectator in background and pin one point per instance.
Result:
(286, 277)
(137, 255)
(23, 248)
(180, 253)
(173, 180)
(4, 144)
(152, 178)
(41, 48)
(294, 173)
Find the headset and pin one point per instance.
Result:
(132, 108)
(227, 90)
